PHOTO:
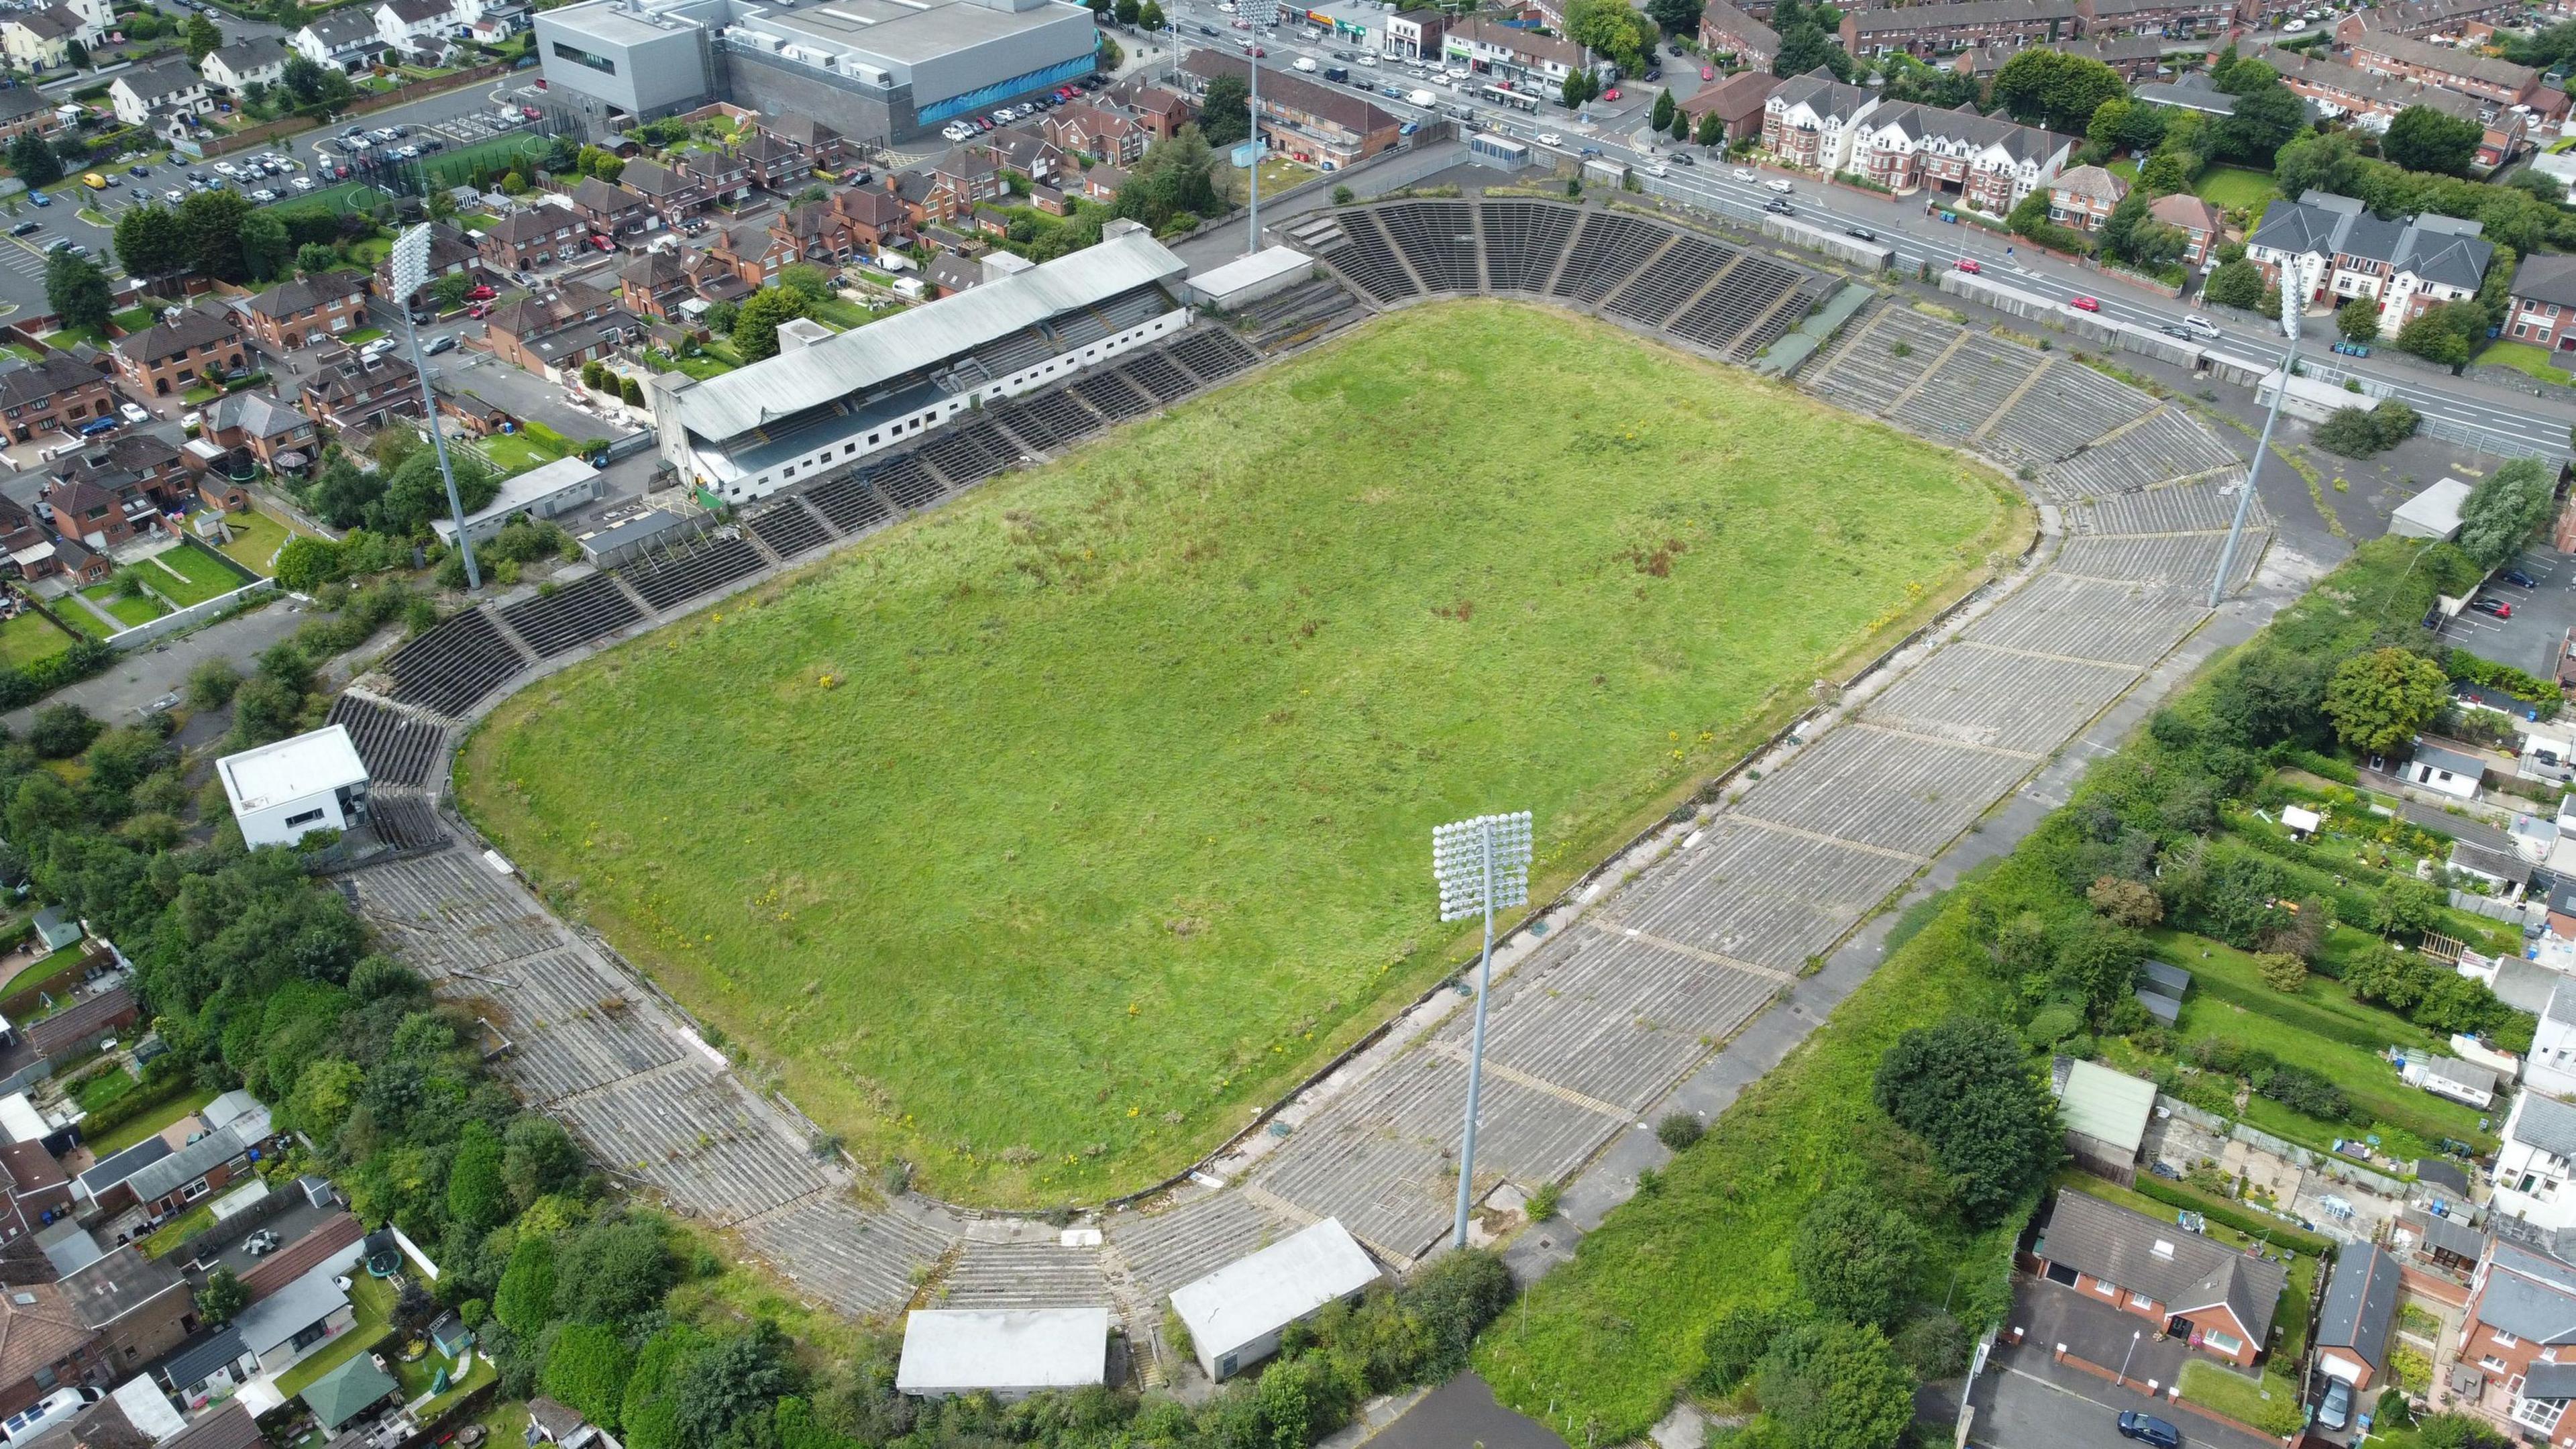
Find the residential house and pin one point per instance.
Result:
(1160, 111)
(537, 236)
(2084, 198)
(171, 355)
(210, 1368)
(140, 1308)
(2171, 19)
(40, 39)
(168, 87)
(2419, 18)
(83, 1024)
(2467, 1083)
(560, 328)
(1922, 30)
(43, 1345)
(2201, 223)
(673, 193)
(237, 67)
(2541, 308)
(822, 147)
(1988, 162)
(55, 393)
(408, 23)
(1811, 121)
(2353, 1336)
(1417, 34)
(610, 211)
(1523, 58)
(1019, 149)
(84, 511)
(2135, 57)
(654, 285)
(268, 426)
(848, 225)
(289, 1324)
(294, 315)
(344, 39)
(1096, 130)
(346, 391)
(37, 1183)
(2342, 251)
(753, 252)
(948, 190)
(1725, 31)
(2538, 1153)
(723, 175)
(1326, 125)
(168, 1185)
(553, 1422)
(2488, 78)
(2215, 1298)
(2519, 1326)
(1736, 101)
(451, 253)
(950, 274)
(108, 492)
(2371, 97)
(334, 1240)
(24, 109)
(776, 164)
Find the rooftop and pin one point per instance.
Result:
(2180, 1269)
(964, 1350)
(294, 768)
(1282, 1283)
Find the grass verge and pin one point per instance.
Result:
(1303, 621)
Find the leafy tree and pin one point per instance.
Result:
(1149, 16)
(2501, 511)
(2423, 139)
(755, 326)
(1580, 86)
(538, 1157)
(1854, 1256)
(1962, 1087)
(77, 291)
(2446, 333)
(587, 1368)
(211, 684)
(314, 257)
(807, 280)
(1835, 1386)
(2050, 88)
(303, 79)
(2280, 970)
(1675, 17)
(476, 1197)
(630, 392)
(2358, 320)
(212, 221)
(2380, 699)
(33, 160)
(1610, 27)
(1806, 48)
(1661, 118)
(417, 492)
(77, 54)
(733, 1385)
(1712, 130)
(2267, 113)
(2127, 903)
(223, 1296)
(2326, 161)
(1126, 11)
(2355, 433)
(60, 731)
(151, 242)
(1171, 181)
(613, 1270)
(1226, 117)
(526, 1299)
(2235, 284)
(201, 36)
(267, 251)
(2132, 235)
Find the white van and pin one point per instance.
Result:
(1306, 63)
(1424, 99)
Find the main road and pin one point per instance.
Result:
(2510, 420)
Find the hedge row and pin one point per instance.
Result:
(28, 683)
(2220, 1210)
(145, 1097)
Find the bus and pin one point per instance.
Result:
(1496, 95)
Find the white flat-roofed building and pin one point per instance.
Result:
(1236, 1314)
(284, 791)
(2433, 513)
(559, 487)
(803, 416)
(1249, 279)
(1009, 1353)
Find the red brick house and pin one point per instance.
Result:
(1922, 30)
(674, 194)
(560, 328)
(140, 1308)
(610, 211)
(538, 236)
(2541, 309)
(2517, 1355)
(43, 1345)
(56, 393)
(1726, 30)
(2219, 1300)
(1096, 131)
(2084, 197)
(2354, 1338)
(1737, 102)
(2486, 77)
(775, 164)
(265, 425)
(1016, 148)
(849, 224)
(294, 315)
(1161, 112)
(821, 147)
(2171, 19)
(169, 357)
(91, 514)
(346, 391)
(2202, 225)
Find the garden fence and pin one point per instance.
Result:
(2306, 1158)
(2527, 913)
(187, 618)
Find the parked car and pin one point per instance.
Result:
(2497, 608)
(138, 170)
(2148, 1429)
(479, 311)
(2519, 579)
(1969, 265)
(2335, 1410)
(303, 183)
(24, 227)
(481, 293)
(1611, 94)
(2084, 304)
(39, 198)
(1708, 72)
(437, 345)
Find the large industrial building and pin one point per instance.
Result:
(824, 407)
(877, 71)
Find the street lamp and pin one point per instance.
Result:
(1479, 864)
(2294, 297)
(411, 273)
(2134, 1335)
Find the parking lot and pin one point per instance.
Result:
(2542, 615)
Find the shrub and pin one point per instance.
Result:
(211, 684)
(1542, 1201)
(1935, 1346)
(61, 731)
(1678, 1130)
(1735, 1343)
(2281, 971)
(1854, 1257)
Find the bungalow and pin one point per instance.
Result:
(294, 315)
(2447, 771)
(1736, 101)
(287, 1325)
(2353, 1328)
(2219, 1300)
(2464, 1082)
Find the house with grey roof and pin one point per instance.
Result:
(1987, 162)
(2467, 1083)
(2538, 1155)
(2439, 768)
(2340, 251)
(2521, 1321)
(2219, 1300)
(2354, 1327)
(295, 1320)
(1811, 121)
(2542, 305)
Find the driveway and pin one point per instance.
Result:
(2030, 1400)
(2017, 1409)
(2051, 1314)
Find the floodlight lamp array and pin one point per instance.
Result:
(1459, 865)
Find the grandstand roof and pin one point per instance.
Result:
(866, 357)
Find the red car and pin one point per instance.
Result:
(481, 294)
(1611, 94)
(479, 311)
(603, 243)
(1708, 72)
(530, 112)
(1969, 265)
(2084, 304)
(2497, 607)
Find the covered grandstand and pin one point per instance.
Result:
(824, 408)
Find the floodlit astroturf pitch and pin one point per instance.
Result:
(1041, 840)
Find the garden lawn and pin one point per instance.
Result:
(2245, 1400)
(48, 964)
(2234, 186)
(140, 609)
(152, 1123)
(1093, 812)
(2522, 357)
(192, 574)
(375, 1310)
(136, 319)
(256, 540)
(515, 453)
(840, 312)
(28, 638)
(166, 1239)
